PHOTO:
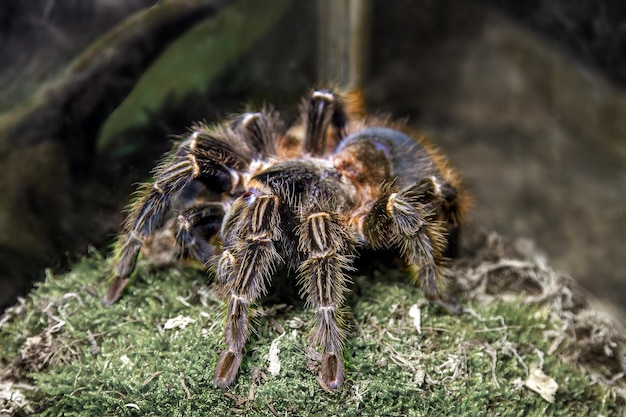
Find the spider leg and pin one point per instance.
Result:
(327, 247)
(258, 131)
(451, 214)
(194, 225)
(322, 111)
(213, 156)
(409, 220)
(245, 269)
(145, 215)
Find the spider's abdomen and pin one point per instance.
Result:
(375, 155)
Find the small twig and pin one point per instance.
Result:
(494, 360)
(273, 410)
(182, 382)
(74, 295)
(239, 401)
(540, 355)
(95, 349)
(508, 347)
(150, 378)
(183, 301)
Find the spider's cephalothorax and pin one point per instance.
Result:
(254, 195)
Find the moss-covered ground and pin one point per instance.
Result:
(153, 353)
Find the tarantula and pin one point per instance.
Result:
(307, 197)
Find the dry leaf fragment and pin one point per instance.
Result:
(416, 314)
(541, 383)
(178, 322)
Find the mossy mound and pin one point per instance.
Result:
(153, 352)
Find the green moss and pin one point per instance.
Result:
(467, 365)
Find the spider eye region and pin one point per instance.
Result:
(248, 195)
(251, 195)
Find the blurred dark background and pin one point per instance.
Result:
(526, 98)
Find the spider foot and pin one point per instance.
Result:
(450, 304)
(332, 370)
(114, 292)
(227, 368)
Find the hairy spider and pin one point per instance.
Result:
(253, 194)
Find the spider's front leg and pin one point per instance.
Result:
(409, 221)
(328, 248)
(210, 157)
(146, 214)
(250, 234)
